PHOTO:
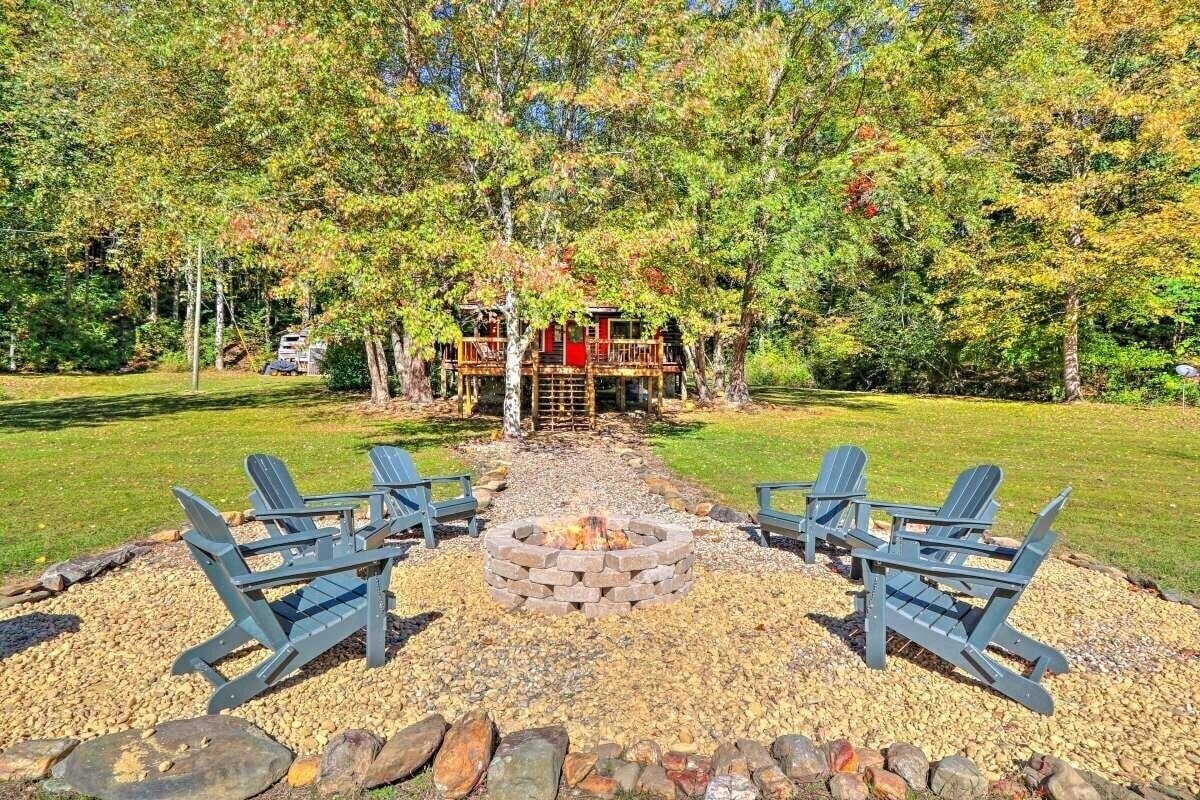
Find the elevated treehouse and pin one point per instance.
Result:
(569, 370)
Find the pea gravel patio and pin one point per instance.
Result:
(763, 645)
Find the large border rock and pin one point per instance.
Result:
(214, 757)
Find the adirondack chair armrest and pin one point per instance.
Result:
(302, 573)
(371, 536)
(785, 485)
(286, 542)
(888, 507)
(423, 482)
(933, 519)
(834, 496)
(447, 478)
(363, 495)
(320, 511)
(464, 481)
(943, 543)
(764, 490)
(937, 569)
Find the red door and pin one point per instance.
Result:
(575, 347)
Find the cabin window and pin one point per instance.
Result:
(625, 329)
(575, 332)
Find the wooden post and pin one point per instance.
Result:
(462, 409)
(535, 362)
(621, 391)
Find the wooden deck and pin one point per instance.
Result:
(564, 394)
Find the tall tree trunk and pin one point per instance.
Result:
(443, 374)
(738, 392)
(1072, 385)
(703, 385)
(12, 351)
(191, 307)
(378, 369)
(692, 356)
(154, 301)
(219, 322)
(718, 364)
(175, 297)
(513, 350)
(400, 356)
(418, 387)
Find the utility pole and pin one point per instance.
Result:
(196, 322)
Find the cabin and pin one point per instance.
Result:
(608, 358)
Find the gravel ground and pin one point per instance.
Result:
(764, 645)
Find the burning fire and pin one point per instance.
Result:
(583, 533)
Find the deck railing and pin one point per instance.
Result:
(625, 352)
(474, 350)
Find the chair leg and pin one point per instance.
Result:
(473, 527)
(1042, 656)
(211, 650)
(237, 691)
(427, 529)
(810, 547)
(874, 621)
(377, 605)
(764, 538)
(1016, 687)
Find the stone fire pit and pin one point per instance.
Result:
(599, 565)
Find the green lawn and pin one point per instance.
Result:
(1136, 471)
(87, 462)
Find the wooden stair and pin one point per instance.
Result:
(562, 401)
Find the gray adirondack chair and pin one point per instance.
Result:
(896, 598)
(408, 493)
(827, 510)
(333, 604)
(968, 510)
(285, 512)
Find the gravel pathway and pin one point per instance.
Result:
(764, 645)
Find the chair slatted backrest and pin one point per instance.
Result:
(276, 489)
(394, 465)
(1025, 563)
(842, 472)
(971, 497)
(213, 547)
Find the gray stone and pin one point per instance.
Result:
(226, 758)
(528, 764)
(607, 750)
(909, 762)
(731, 787)
(55, 786)
(406, 752)
(58, 577)
(626, 775)
(1065, 783)
(655, 783)
(957, 778)
(728, 760)
(346, 760)
(33, 759)
(723, 513)
(1106, 788)
(757, 756)
(29, 597)
(799, 757)
(847, 786)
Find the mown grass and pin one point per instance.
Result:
(89, 461)
(1135, 471)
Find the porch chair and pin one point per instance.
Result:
(410, 496)
(284, 512)
(968, 510)
(895, 597)
(333, 604)
(827, 510)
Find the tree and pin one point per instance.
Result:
(1102, 205)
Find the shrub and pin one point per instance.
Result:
(345, 367)
(777, 364)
